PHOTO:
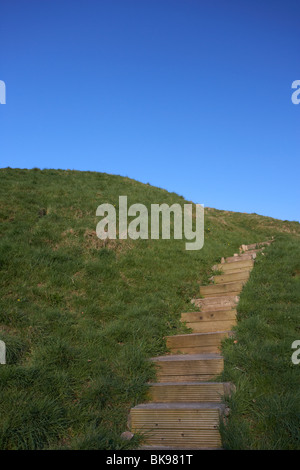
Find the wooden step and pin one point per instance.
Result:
(235, 270)
(248, 263)
(253, 252)
(215, 290)
(237, 258)
(178, 424)
(189, 392)
(196, 343)
(210, 303)
(231, 277)
(211, 321)
(188, 368)
(254, 246)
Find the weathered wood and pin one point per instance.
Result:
(236, 259)
(182, 424)
(183, 439)
(196, 343)
(216, 314)
(188, 392)
(162, 378)
(254, 246)
(197, 367)
(221, 289)
(234, 270)
(231, 277)
(211, 326)
(254, 252)
(237, 264)
(210, 303)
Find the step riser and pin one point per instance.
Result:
(214, 315)
(236, 259)
(212, 349)
(209, 304)
(196, 343)
(187, 378)
(196, 339)
(232, 277)
(236, 271)
(187, 393)
(221, 289)
(255, 246)
(234, 265)
(189, 371)
(222, 293)
(185, 439)
(175, 419)
(211, 326)
(251, 252)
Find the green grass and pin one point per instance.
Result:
(265, 410)
(81, 317)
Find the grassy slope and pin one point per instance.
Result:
(265, 411)
(80, 318)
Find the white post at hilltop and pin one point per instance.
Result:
(2, 352)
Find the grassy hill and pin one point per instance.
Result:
(81, 316)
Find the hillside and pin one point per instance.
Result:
(81, 316)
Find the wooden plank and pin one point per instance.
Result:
(238, 258)
(255, 246)
(210, 303)
(231, 277)
(221, 289)
(178, 423)
(211, 326)
(196, 343)
(197, 367)
(184, 439)
(234, 265)
(174, 419)
(199, 349)
(162, 378)
(187, 392)
(209, 316)
(235, 270)
(195, 339)
(186, 359)
(221, 293)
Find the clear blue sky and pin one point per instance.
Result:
(193, 96)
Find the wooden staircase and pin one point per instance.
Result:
(185, 404)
